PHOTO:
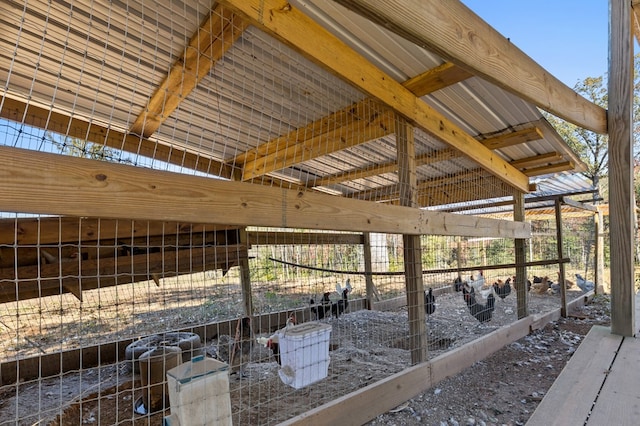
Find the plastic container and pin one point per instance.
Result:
(153, 366)
(304, 354)
(199, 393)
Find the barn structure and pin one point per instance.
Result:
(170, 168)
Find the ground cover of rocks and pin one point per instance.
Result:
(505, 388)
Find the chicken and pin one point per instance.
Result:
(341, 305)
(477, 281)
(458, 284)
(482, 313)
(502, 288)
(583, 284)
(540, 285)
(429, 302)
(273, 342)
(325, 305)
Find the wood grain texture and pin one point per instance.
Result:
(619, 399)
(569, 400)
(55, 184)
(621, 189)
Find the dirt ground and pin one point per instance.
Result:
(366, 346)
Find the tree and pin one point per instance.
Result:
(592, 147)
(81, 148)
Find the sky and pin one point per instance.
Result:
(569, 38)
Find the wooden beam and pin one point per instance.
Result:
(208, 44)
(437, 78)
(579, 205)
(520, 246)
(44, 183)
(287, 151)
(301, 238)
(551, 168)
(453, 31)
(48, 119)
(285, 22)
(362, 122)
(537, 160)
(503, 140)
(635, 4)
(412, 248)
(621, 160)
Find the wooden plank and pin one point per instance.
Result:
(42, 183)
(619, 399)
(286, 23)
(297, 238)
(436, 78)
(453, 31)
(208, 44)
(520, 247)
(57, 122)
(586, 371)
(621, 164)
(46, 280)
(550, 168)
(55, 230)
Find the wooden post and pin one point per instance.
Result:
(368, 269)
(562, 269)
(621, 206)
(599, 249)
(412, 250)
(245, 274)
(522, 293)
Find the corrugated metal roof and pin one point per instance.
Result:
(102, 62)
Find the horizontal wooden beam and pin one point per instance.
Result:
(503, 140)
(453, 31)
(81, 275)
(285, 22)
(57, 122)
(46, 183)
(288, 238)
(550, 168)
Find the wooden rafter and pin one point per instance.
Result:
(365, 122)
(209, 43)
(551, 168)
(340, 130)
(453, 31)
(286, 23)
(63, 124)
(537, 160)
(503, 140)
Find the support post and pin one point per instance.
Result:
(621, 199)
(599, 249)
(245, 274)
(368, 269)
(407, 178)
(522, 292)
(562, 269)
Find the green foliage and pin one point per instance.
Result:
(591, 147)
(81, 148)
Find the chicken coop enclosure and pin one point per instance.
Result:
(199, 175)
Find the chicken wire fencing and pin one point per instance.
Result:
(91, 306)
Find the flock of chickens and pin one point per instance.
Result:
(236, 351)
(484, 312)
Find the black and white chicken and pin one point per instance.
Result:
(502, 288)
(482, 313)
(341, 305)
(321, 309)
